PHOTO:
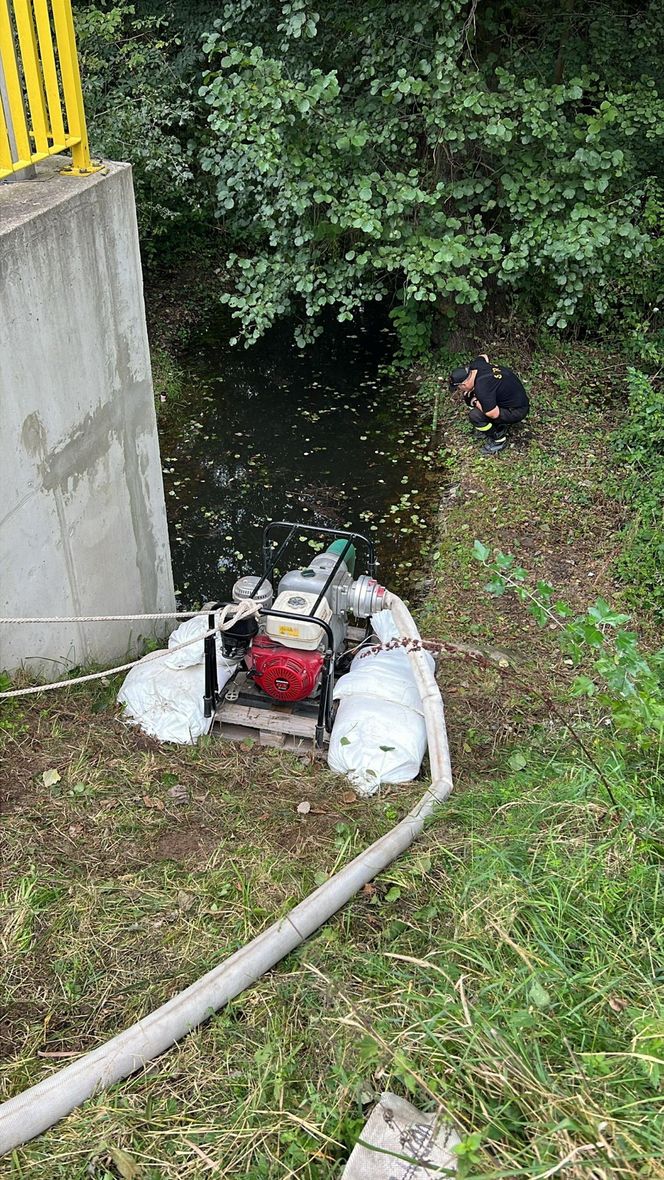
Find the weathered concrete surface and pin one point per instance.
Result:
(82, 518)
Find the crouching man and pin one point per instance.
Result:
(496, 398)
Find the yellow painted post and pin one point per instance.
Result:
(41, 101)
(14, 91)
(45, 36)
(6, 162)
(32, 73)
(71, 86)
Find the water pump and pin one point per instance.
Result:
(291, 651)
(286, 658)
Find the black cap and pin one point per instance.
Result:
(458, 375)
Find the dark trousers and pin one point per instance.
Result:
(494, 428)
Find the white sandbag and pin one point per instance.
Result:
(194, 653)
(387, 675)
(383, 675)
(379, 735)
(405, 1144)
(375, 741)
(166, 702)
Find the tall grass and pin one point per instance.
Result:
(507, 974)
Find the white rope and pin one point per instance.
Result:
(233, 612)
(155, 655)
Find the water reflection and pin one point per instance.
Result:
(273, 432)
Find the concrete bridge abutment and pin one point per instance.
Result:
(83, 527)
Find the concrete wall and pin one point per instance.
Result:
(82, 516)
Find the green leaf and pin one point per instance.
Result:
(496, 587)
(480, 551)
(538, 995)
(517, 761)
(504, 560)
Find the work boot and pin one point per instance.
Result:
(494, 446)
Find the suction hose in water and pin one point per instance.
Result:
(36, 1109)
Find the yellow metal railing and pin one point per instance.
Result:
(41, 101)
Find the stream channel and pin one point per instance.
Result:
(273, 432)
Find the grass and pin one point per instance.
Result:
(168, 380)
(506, 970)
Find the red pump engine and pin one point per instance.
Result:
(284, 673)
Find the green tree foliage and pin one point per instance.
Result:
(435, 153)
(140, 107)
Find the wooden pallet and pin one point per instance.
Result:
(254, 715)
(244, 711)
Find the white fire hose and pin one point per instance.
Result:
(36, 1109)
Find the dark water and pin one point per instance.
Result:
(277, 433)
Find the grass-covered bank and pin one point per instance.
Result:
(508, 969)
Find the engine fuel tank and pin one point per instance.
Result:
(300, 631)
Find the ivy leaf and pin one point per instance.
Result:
(496, 587)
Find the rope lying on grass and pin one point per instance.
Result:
(225, 618)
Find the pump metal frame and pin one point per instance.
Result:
(212, 697)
